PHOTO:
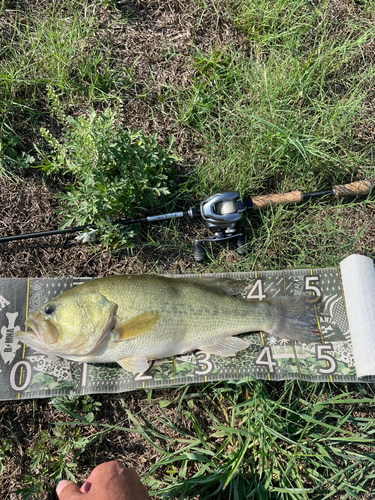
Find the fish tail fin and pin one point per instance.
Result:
(296, 318)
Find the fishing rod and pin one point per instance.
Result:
(220, 213)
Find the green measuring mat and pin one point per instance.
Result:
(25, 373)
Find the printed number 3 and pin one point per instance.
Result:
(204, 360)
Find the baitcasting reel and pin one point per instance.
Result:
(220, 213)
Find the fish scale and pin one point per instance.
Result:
(203, 317)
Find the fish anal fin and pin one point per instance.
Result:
(137, 326)
(226, 347)
(134, 364)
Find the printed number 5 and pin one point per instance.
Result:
(321, 355)
(309, 287)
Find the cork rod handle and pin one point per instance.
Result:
(359, 188)
(268, 200)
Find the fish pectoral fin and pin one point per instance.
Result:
(226, 347)
(137, 326)
(134, 364)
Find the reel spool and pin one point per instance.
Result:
(220, 213)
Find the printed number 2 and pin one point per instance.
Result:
(141, 376)
(321, 355)
(265, 359)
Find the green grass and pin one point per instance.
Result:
(59, 45)
(54, 54)
(291, 108)
(286, 115)
(229, 440)
(291, 440)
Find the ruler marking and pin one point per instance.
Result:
(84, 377)
(24, 346)
(319, 327)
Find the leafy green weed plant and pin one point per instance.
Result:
(113, 173)
(5, 450)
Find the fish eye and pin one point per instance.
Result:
(49, 309)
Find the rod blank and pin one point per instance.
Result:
(358, 188)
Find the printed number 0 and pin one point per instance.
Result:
(321, 355)
(13, 383)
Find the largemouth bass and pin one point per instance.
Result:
(132, 319)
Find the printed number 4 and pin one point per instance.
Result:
(256, 291)
(265, 359)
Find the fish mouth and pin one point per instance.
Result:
(35, 328)
(44, 330)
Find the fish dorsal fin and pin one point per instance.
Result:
(134, 364)
(226, 285)
(226, 347)
(137, 326)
